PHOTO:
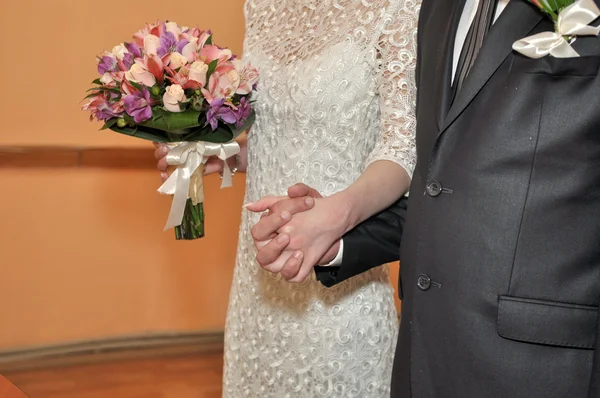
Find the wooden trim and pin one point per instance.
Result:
(9, 390)
(114, 349)
(71, 157)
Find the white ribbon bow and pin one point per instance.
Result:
(572, 21)
(189, 156)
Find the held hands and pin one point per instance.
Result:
(298, 232)
(214, 164)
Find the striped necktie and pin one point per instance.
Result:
(482, 22)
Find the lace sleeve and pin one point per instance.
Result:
(397, 88)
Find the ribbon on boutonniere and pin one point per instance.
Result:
(571, 19)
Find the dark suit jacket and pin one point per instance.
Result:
(501, 251)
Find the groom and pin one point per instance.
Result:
(500, 254)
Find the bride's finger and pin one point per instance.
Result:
(161, 151)
(276, 266)
(295, 205)
(162, 164)
(271, 252)
(260, 244)
(263, 204)
(214, 165)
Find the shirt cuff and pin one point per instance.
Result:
(337, 261)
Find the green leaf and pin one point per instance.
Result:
(172, 122)
(246, 126)
(223, 133)
(111, 89)
(136, 85)
(97, 81)
(209, 41)
(142, 132)
(109, 123)
(148, 130)
(211, 68)
(90, 95)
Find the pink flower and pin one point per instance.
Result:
(198, 71)
(190, 50)
(173, 28)
(210, 53)
(100, 107)
(248, 77)
(147, 71)
(156, 66)
(174, 94)
(126, 62)
(177, 60)
(151, 44)
(156, 29)
(196, 35)
(127, 88)
(182, 77)
(119, 106)
(140, 74)
(119, 51)
(222, 85)
(107, 80)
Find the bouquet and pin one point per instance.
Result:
(171, 84)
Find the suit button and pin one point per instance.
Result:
(424, 282)
(434, 188)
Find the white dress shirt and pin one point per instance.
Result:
(464, 25)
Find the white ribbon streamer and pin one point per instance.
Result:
(572, 21)
(188, 156)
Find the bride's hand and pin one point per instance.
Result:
(214, 164)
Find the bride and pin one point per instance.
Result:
(335, 100)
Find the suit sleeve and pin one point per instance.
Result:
(373, 243)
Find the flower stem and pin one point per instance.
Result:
(192, 224)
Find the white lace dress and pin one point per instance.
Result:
(336, 92)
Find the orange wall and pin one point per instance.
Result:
(82, 252)
(84, 256)
(48, 59)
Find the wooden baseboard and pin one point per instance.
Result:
(115, 349)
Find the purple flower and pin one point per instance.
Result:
(137, 105)
(134, 49)
(181, 45)
(105, 112)
(243, 112)
(219, 111)
(168, 43)
(128, 60)
(107, 64)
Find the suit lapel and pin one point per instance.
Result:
(518, 19)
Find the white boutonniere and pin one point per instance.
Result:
(571, 19)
